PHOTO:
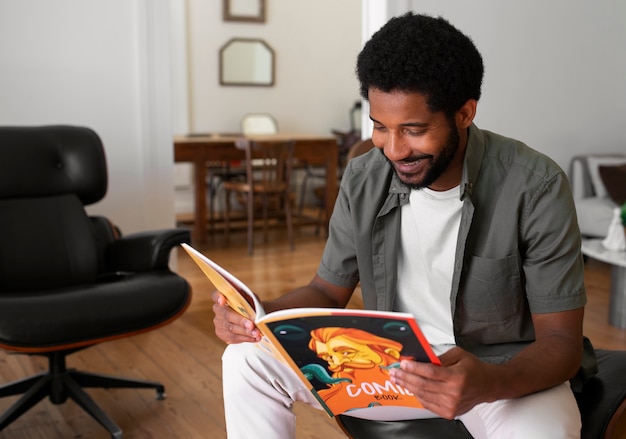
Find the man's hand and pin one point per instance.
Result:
(461, 382)
(231, 326)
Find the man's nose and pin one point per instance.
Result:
(395, 148)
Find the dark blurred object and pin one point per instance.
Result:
(345, 140)
(359, 148)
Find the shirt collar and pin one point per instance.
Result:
(474, 153)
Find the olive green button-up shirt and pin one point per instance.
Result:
(518, 248)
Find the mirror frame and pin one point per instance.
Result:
(232, 10)
(222, 64)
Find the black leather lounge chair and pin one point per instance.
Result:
(67, 280)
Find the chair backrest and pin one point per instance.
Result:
(584, 173)
(52, 160)
(258, 123)
(269, 163)
(360, 147)
(47, 175)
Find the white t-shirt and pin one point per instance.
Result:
(429, 231)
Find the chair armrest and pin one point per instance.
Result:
(144, 251)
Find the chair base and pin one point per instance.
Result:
(60, 383)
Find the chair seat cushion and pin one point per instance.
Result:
(603, 394)
(411, 429)
(85, 315)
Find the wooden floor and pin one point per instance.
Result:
(185, 355)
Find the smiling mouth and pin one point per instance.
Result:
(410, 167)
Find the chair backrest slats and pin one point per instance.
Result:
(269, 163)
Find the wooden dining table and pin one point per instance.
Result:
(201, 149)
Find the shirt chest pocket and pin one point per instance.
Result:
(492, 290)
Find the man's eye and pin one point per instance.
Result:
(415, 133)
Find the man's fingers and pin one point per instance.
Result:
(232, 327)
(218, 298)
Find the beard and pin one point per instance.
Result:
(438, 163)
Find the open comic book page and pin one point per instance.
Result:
(344, 357)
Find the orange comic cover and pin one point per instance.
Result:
(343, 356)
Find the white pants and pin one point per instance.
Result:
(259, 393)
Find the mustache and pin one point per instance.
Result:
(413, 159)
(410, 159)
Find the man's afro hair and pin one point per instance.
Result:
(419, 53)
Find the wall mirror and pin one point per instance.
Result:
(244, 10)
(246, 61)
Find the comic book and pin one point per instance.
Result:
(343, 356)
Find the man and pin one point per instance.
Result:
(472, 232)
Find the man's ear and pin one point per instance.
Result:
(465, 115)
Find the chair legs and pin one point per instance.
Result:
(303, 185)
(60, 383)
(212, 186)
(34, 389)
(250, 209)
(214, 181)
(250, 220)
(289, 220)
(309, 173)
(227, 216)
(286, 205)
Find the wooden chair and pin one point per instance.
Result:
(268, 175)
(602, 405)
(251, 124)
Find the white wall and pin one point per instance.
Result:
(554, 76)
(555, 71)
(106, 65)
(122, 67)
(316, 44)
